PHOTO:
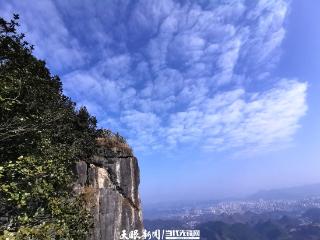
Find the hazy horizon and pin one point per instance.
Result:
(234, 197)
(218, 98)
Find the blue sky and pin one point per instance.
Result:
(218, 98)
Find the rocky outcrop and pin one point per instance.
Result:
(109, 183)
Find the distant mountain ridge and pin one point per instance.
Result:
(291, 193)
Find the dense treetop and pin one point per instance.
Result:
(42, 135)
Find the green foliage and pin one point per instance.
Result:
(42, 135)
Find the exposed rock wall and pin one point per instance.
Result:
(110, 183)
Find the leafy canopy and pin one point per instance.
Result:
(42, 135)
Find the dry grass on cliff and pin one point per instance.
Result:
(88, 194)
(110, 140)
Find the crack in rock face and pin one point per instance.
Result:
(109, 182)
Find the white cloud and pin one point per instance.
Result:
(47, 31)
(237, 119)
(271, 118)
(143, 128)
(248, 122)
(167, 73)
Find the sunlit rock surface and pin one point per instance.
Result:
(110, 184)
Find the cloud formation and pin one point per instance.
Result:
(46, 29)
(172, 73)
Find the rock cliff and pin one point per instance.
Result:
(109, 182)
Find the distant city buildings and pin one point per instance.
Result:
(229, 208)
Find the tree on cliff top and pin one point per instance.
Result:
(42, 135)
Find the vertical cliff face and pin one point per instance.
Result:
(109, 182)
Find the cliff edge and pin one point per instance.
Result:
(109, 182)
